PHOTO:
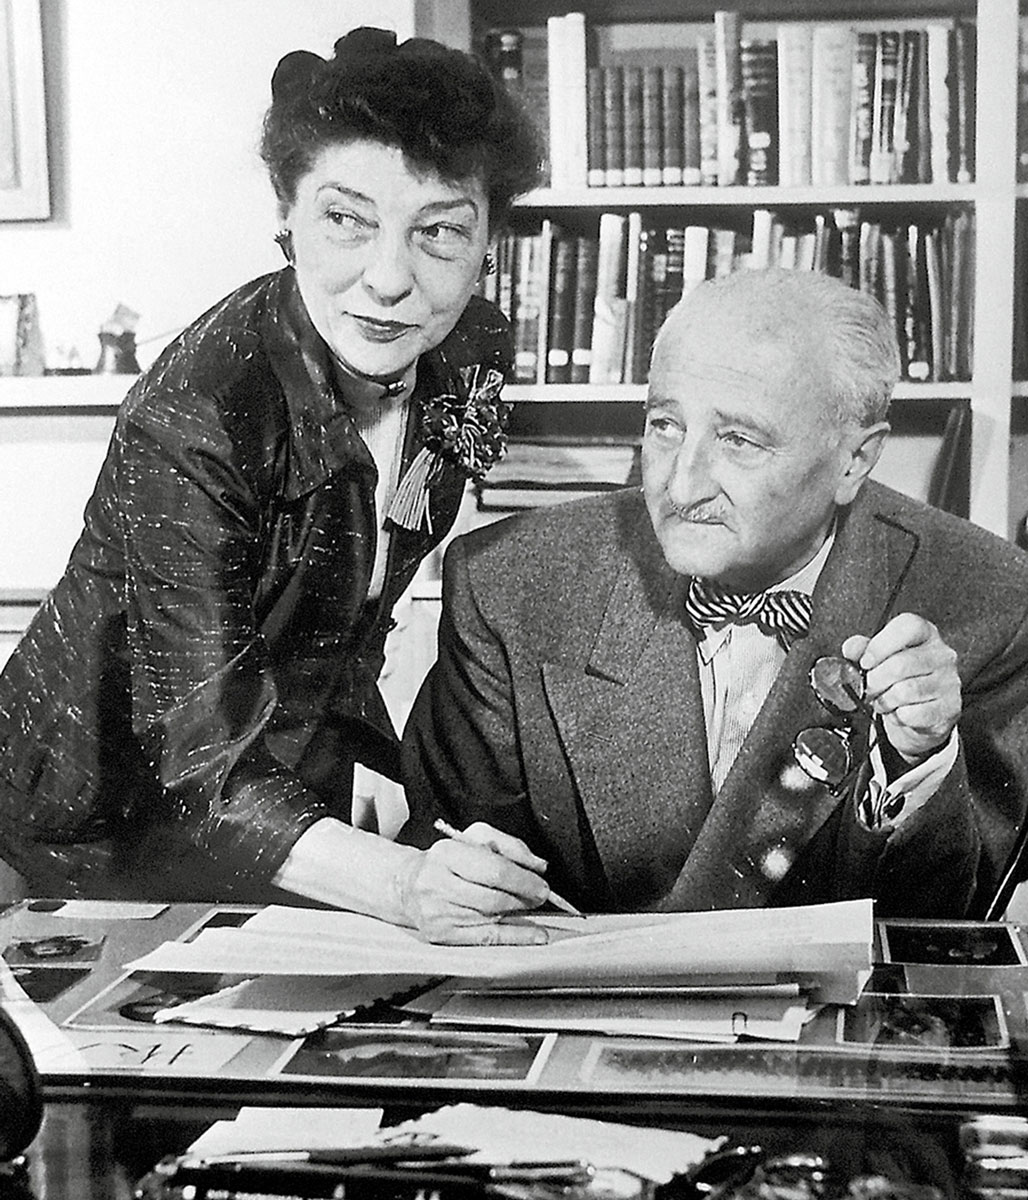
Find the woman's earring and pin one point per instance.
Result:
(284, 238)
(488, 265)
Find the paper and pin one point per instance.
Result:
(256, 1130)
(293, 1005)
(501, 1135)
(826, 947)
(52, 1050)
(700, 1018)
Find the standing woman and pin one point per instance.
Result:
(183, 716)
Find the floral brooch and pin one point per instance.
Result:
(467, 431)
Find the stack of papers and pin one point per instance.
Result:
(740, 972)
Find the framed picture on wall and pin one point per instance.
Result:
(24, 181)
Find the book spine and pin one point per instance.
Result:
(759, 67)
(614, 124)
(527, 285)
(674, 267)
(920, 124)
(938, 102)
(608, 333)
(862, 106)
(586, 253)
(962, 122)
(847, 225)
(632, 96)
(597, 173)
(730, 117)
(630, 366)
(505, 261)
(706, 66)
(543, 271)
(560, 344)
(652, 127)
(556, 102)
(1022, 101)
(535, 85)
(672, 119)
(574, 73)
(795, 53)
(691, 157)
(695, 256)
(886, 82)
(503, 55)
(830, 95)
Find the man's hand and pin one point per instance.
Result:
(458, 891)
(912, 684)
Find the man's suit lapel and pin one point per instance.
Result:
(767, 809)
(631, 723)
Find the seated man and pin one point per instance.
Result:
(595, 697)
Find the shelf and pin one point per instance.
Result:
(851, 196)
(628, 393)
(63, 392)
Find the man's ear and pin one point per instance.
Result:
(864, 451)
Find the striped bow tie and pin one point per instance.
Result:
(784, 615)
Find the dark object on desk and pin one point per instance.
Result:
(117, 354)
(952, 945)
(21, 1102)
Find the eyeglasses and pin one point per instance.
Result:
(825, 753)
(748, 1173)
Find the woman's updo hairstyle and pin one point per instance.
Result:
(440, 106)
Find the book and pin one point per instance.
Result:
(884, 116)
(672, 124)
(707, 108)
(568, 87)
(695, 257)
(503, 55)
(910, 131)
(614, 124)
(525, 317)
(723, 253)
(938, 102)
(560, 339)
(691, 174)
(632, 98)
(631, 367)
(653, 126)
(543, 269)
(795, 42)
(963, 58)
(847, 225)
(586, 254)
(607, 347)
(535, 85)
(762, 222)
(831, 90)
(730, 114)
(759, 72)
(597, 125)
(865, 53)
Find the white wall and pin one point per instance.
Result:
(161, 201)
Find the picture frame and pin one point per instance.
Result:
(24, 171)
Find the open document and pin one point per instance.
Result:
(826, 949)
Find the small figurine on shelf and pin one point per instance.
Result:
(118, 344)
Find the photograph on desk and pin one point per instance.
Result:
(375, 1052)
(924, 1023)
(953, 945)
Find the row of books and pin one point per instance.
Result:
(819, 103)
(586, 309)
(539, 471)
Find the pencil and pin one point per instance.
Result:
(447, 830)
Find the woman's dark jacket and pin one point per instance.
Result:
(193, 693)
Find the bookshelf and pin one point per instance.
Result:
(990, 197)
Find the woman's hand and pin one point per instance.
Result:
(458, 892)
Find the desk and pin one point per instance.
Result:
(946, 1040)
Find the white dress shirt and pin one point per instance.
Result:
(738, 665)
